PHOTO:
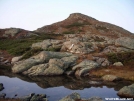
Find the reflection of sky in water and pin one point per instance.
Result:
(16, 86)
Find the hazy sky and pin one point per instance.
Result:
(32, 14)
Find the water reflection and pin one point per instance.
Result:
(58, 86)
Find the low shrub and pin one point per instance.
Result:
(68, 32)
(53, 49)
(124, 57)
(77, 24)
(31, 52)
(102, 28)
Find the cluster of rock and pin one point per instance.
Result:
(76, 97)
(4, 61)
(34, 97)
(45, 63)
(16, 33)
(56, 63)
(48, 44)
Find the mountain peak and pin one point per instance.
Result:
(79, 15)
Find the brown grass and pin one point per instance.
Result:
(8, 99)
(125, 72)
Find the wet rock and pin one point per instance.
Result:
(127, 91)
(118, 64)
(34, 97)
(125, 42)
(94, 83)
(73, 97)
(41, 97)
(84, 67)
(1, 87)
(95, 99)
(3, 95)
(110, 78)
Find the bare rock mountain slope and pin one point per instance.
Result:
(78, 23)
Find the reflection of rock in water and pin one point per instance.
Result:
(69, 82)
(1, 87)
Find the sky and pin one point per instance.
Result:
(33, 14)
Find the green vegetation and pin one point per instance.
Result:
(53, 49)
(98, 39)
(124, 57)
(31, 52)
(20, 46)
(68, 32)
(77, 24)
(102, 28)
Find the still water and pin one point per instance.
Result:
(57, 87)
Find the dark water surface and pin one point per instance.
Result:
(57, 87)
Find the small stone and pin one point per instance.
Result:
(118, 64)
(95, 99)
(110, 78)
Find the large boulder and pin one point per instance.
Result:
(125, 42)
(11, 32)
(72, 97)
(114, 49)
(36, 70)
(84, 67)
(77, 46)
(45, 56)
(53, 67)
(24, 65)
(110, 78)
(48, 44)
(127, 91)
(16, 59)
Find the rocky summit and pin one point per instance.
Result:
(78, 23)
(74, 46)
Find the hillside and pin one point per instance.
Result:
(15, 33)
(73, 46)
(78, 23)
